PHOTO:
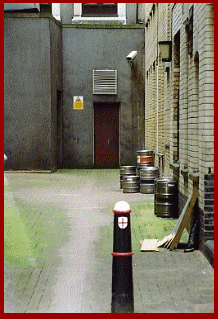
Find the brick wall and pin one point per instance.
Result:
(157, 106)
(185, 95)
(196, 108)
(207, 215)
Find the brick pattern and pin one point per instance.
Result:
(157, 110)
(196, 116)
(207, 227)
(185, 93)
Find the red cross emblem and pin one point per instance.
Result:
(122, 222)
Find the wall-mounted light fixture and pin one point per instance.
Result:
(166, 50)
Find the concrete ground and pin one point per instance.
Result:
(69, 219)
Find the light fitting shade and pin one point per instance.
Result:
(166, 50)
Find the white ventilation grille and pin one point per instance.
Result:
(104, 81)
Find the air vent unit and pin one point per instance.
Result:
(104, 81)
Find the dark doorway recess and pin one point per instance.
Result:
(106, 135)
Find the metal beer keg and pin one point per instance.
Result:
(165, 197)
(130, 184)
(147, 178)
(126, 171)
(144, 158)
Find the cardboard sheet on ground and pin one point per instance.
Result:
(149, 245)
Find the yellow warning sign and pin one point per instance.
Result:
(78, 102)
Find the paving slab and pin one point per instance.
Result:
(70, 214)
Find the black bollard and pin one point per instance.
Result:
(122, 281)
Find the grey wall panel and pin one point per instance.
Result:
(27, 97)
(83, 51)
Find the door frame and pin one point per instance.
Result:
(118, 104)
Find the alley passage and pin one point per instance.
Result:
(63, 263)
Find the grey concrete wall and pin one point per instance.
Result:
(35, 61)
(131, 13)
(28, 100)
(86, 49)
(66, 12)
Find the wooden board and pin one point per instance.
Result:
(149, 245)
(183, 219)
(164, 241)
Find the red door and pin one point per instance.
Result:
(106, 135)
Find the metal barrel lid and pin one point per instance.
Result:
(144, 152)
(165, 180)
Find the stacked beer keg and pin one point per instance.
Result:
(144, 178)
(131, 184)
(140, 178)
(147, 179)
(147, 171)
(145, 158)
(129, 181)
(126, 172)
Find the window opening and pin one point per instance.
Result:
(190, 31)
(99, 10)
(176, 95)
